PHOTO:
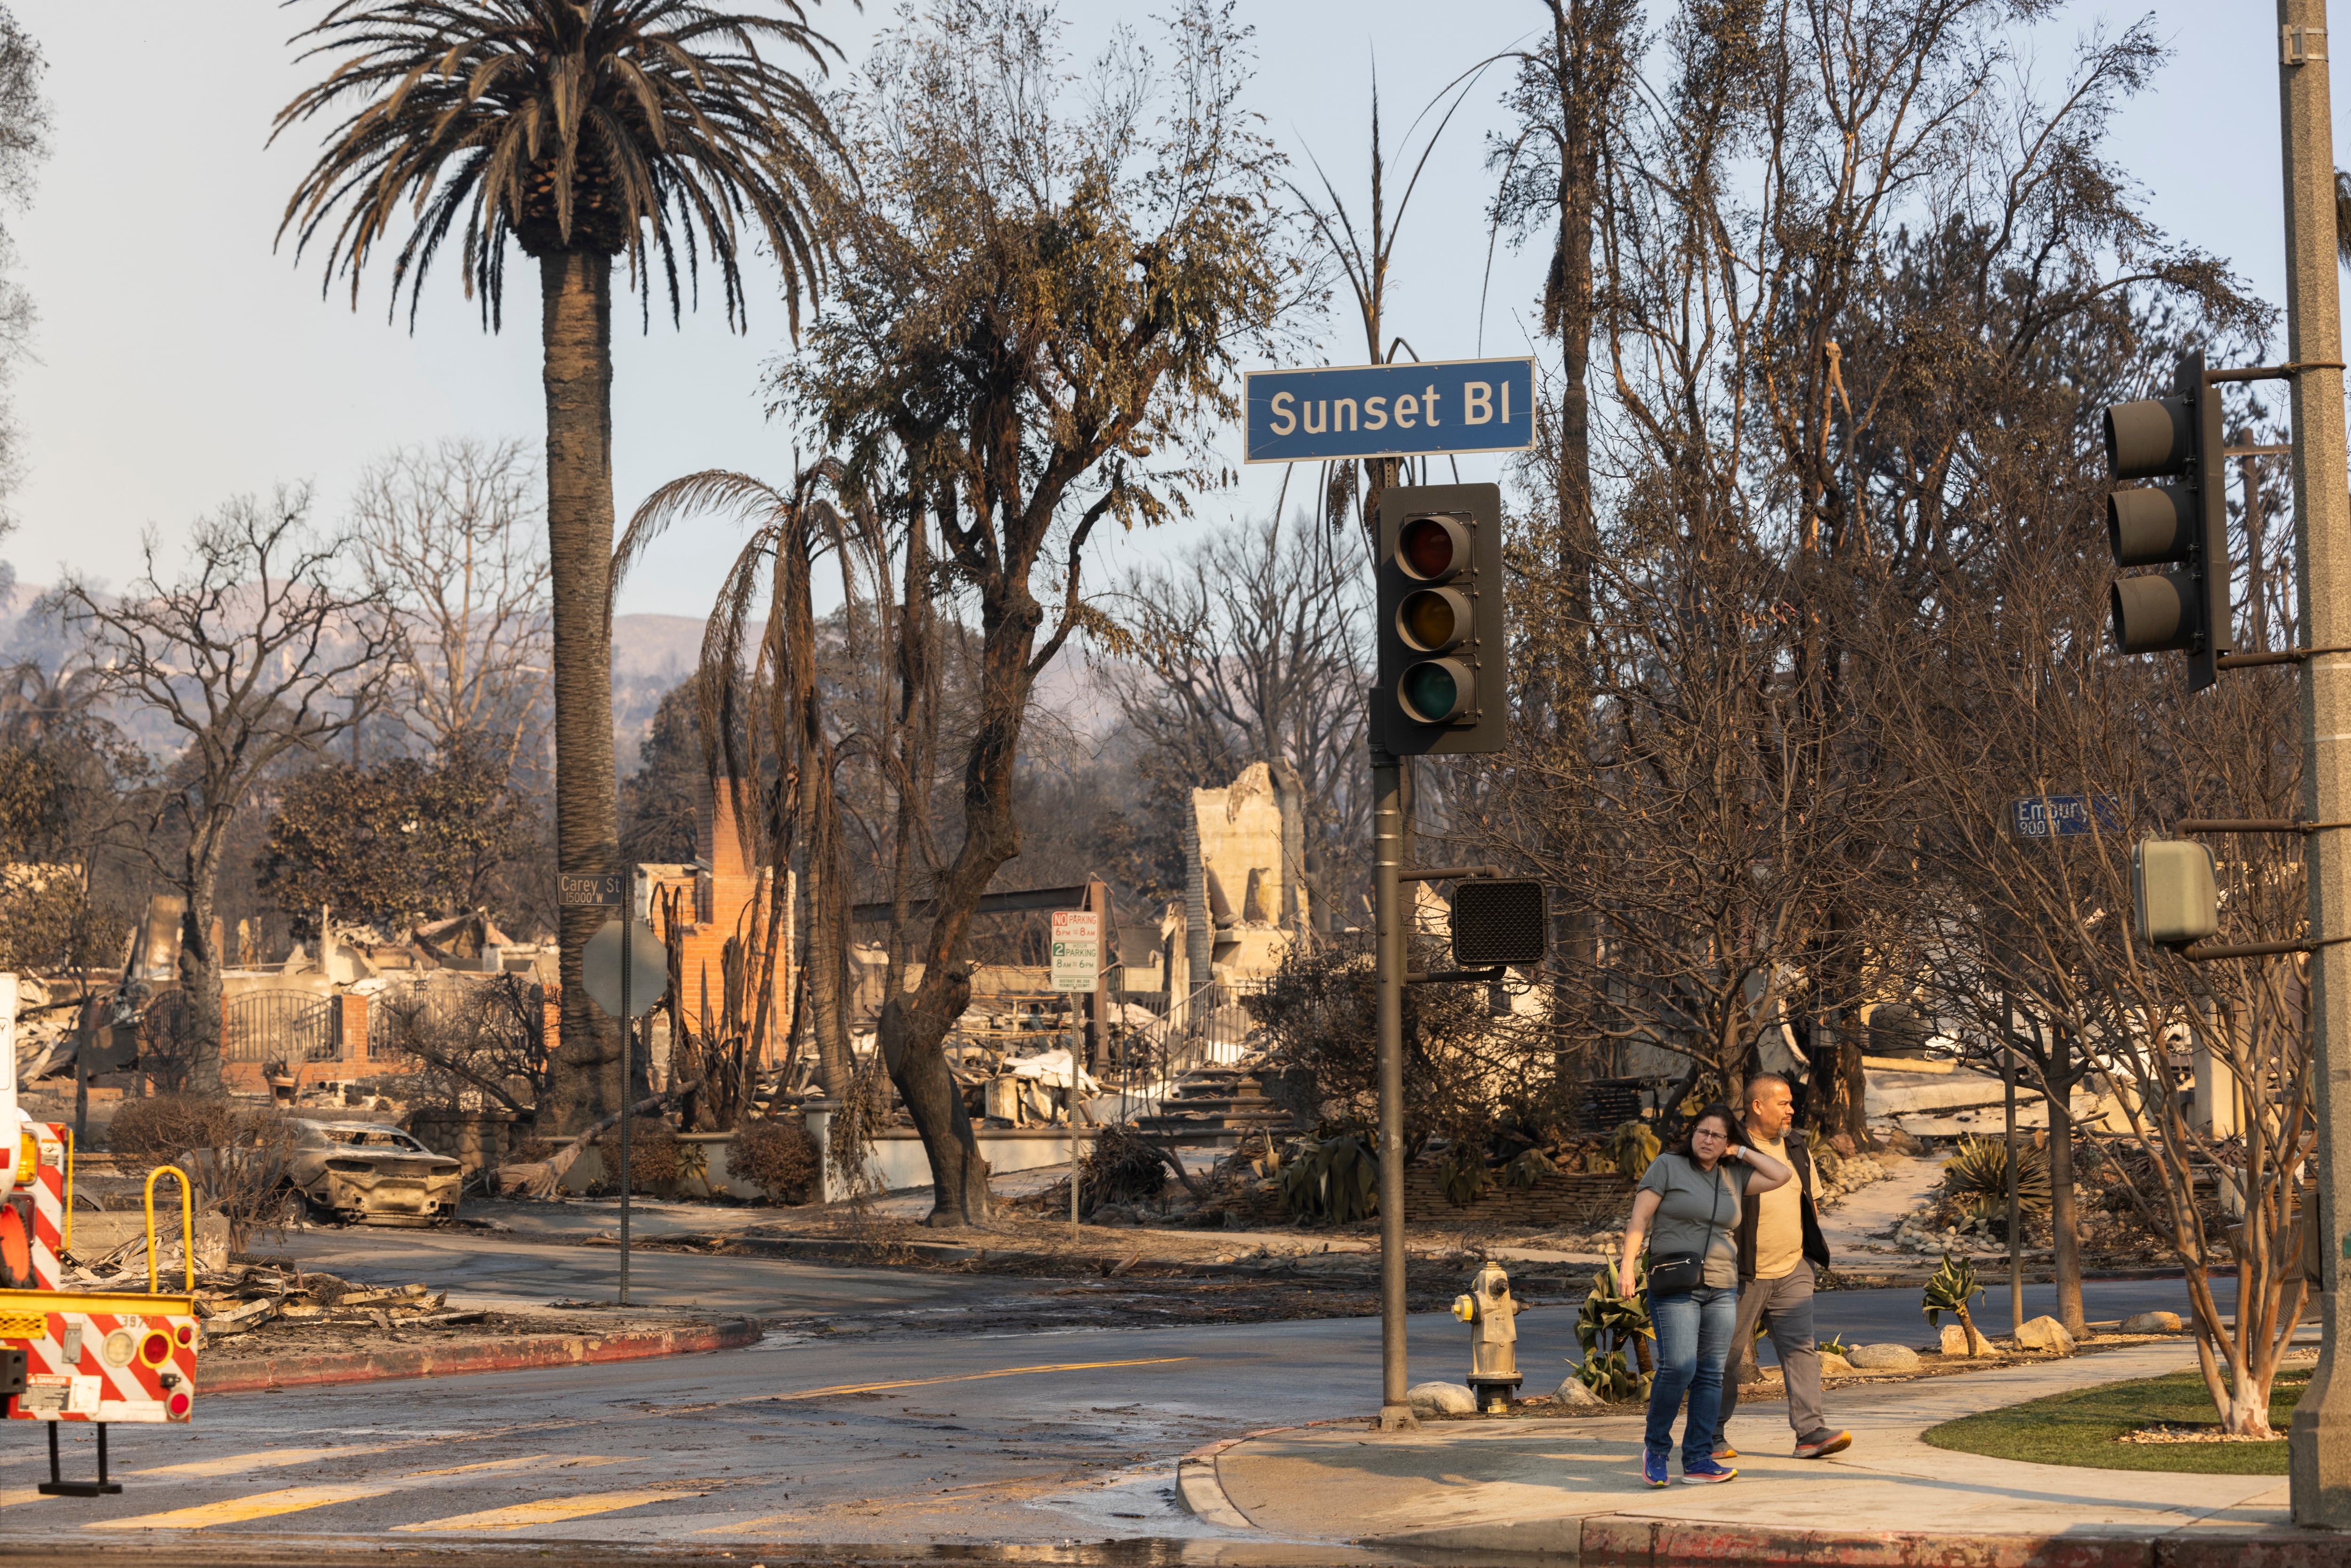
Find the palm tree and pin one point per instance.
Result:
(583, 130)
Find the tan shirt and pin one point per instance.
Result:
(1779, 1221)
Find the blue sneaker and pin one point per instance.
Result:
(1706, 1472)
(1653, 1470)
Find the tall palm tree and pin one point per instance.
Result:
(581, 131)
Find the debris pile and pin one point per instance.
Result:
(235, 1300)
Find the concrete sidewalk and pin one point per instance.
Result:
(1572, 1487)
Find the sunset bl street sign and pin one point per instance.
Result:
(1390, 411)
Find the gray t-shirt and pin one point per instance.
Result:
(1688, 1198)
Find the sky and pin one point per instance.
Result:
(180, 359)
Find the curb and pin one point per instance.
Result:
(1620, 1541)
(503, 1356)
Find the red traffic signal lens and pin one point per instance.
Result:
(1431, 619)
(2150, 439)
(1434, 692)
(1431, 548)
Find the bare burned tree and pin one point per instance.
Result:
(449, 541)
(255, 653)
(1255, 650)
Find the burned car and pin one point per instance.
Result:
(372, 1174)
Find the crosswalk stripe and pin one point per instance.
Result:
(235, 1510)
(549, 1461)
(965, 1378)
(548, 1511)
(268, 1458)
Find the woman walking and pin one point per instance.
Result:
(1687, 1208)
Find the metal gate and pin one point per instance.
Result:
(290, 1027)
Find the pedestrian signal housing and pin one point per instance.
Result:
(1442, 683)
(2182, 523)
(2173, 892)
(1499, 921)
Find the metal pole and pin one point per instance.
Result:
(628, 1031)
(2319, 1446)
(2015, 1225)
(1388, 964)
(2257, 588)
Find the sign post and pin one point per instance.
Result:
(610, 969)
(1077, 966)
(1391, 411)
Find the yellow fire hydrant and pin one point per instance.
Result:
(1492, 1313)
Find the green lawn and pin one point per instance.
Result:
(2080, 1428)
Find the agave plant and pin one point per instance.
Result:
(1336, 1178)
(1633, 1145)
(1976, 1179)
(1611, 1328)
(1462, 1174)
(1948, 1291)
(1528, 1170)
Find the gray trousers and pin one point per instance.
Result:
(1785, 1306)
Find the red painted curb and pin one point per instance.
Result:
(503, 1356)
(1620, 1542)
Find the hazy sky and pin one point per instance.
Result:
(180, 361)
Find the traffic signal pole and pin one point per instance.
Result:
(1388, 971)
(2319, 1444)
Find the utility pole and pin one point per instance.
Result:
(2319, 1445)
(1388, 965)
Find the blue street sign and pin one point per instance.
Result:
(1390, 411)
(2066, 816)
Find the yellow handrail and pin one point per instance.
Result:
(187, 1229)
(67, 1243)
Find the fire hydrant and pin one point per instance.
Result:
(1492, 1313)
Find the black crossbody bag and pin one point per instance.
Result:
(1679, 1273)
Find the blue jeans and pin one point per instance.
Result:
(1693, 1340)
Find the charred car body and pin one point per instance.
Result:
(372, 1173)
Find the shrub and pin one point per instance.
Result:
(775, 1154)
(158, 1131)
(1122, 1167)
(235, 1157)
(654, 1159)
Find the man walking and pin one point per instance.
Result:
(1778, 1241)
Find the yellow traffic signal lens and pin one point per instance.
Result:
(1429, 547)
(1432, 620)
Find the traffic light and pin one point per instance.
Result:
(2183, 523)
(1442, 684)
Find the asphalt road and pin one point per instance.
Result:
(861, 1434)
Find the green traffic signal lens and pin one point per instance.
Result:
(1432, 619)
(1430, 692)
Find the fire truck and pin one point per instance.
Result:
(94, 1356)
